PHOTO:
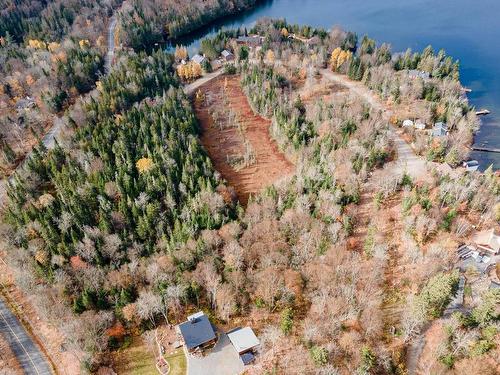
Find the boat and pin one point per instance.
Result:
(471, 165)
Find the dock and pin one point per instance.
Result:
(482, 112)
(466, 89)
(485, 149)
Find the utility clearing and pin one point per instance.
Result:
(238, 140)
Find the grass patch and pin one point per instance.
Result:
(135, 359)
(177, 362)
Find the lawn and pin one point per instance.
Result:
(177, 362)
(136, 359)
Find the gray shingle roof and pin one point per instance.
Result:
(197, 330)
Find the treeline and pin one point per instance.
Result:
(136, 182)
(53, 54)
(47, 19)
(143, 23)
(265, 90)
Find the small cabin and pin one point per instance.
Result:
(197, 332)
(440, 129)
(227, 56)
(199, 59)
(407, 123)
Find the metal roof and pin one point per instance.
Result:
(243, 339)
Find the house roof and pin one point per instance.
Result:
(198, 58)
(489, 239)
(408, 123)
(243, 339)
(197, 330)
(440, 125)
(415, 73)
(226, 53)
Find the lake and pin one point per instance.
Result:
(468, 30)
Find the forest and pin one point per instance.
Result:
(126, 221)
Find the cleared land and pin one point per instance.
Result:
(237, 140)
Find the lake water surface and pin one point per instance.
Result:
(469, 30)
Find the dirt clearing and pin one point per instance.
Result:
(237, 140)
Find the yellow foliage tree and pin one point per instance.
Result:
(189, 71)
(284, 32)
(84, 43)
(270, 55)
(53, 46)
(98, 85)
(339, 57)
(37, 44)
(181, 53)
(144, 165)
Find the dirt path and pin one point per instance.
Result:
(407, 160)
(190, 89)
(269, 165)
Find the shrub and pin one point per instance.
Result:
(319, 355)
(286, 320)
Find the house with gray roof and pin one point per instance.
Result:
(227, 56)
(199, 59)
(197, 332)
(440, 129)
(244, 342)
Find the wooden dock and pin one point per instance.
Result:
(485, 149)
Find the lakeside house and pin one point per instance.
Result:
(199, 59)
(245, 342)
(488, 240)
(471, 165)
(440, 129)
(197, 332)
(251, 40)
(227, 56)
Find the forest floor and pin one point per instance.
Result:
(241, 148)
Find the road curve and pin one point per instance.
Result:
(29, 356)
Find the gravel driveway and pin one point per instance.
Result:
(222, 360)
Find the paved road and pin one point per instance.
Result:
(111, 44)
(31, 359)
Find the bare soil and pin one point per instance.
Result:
(269, 165)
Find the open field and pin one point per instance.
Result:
(135, 359)
(177, 362)
(239, 143)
